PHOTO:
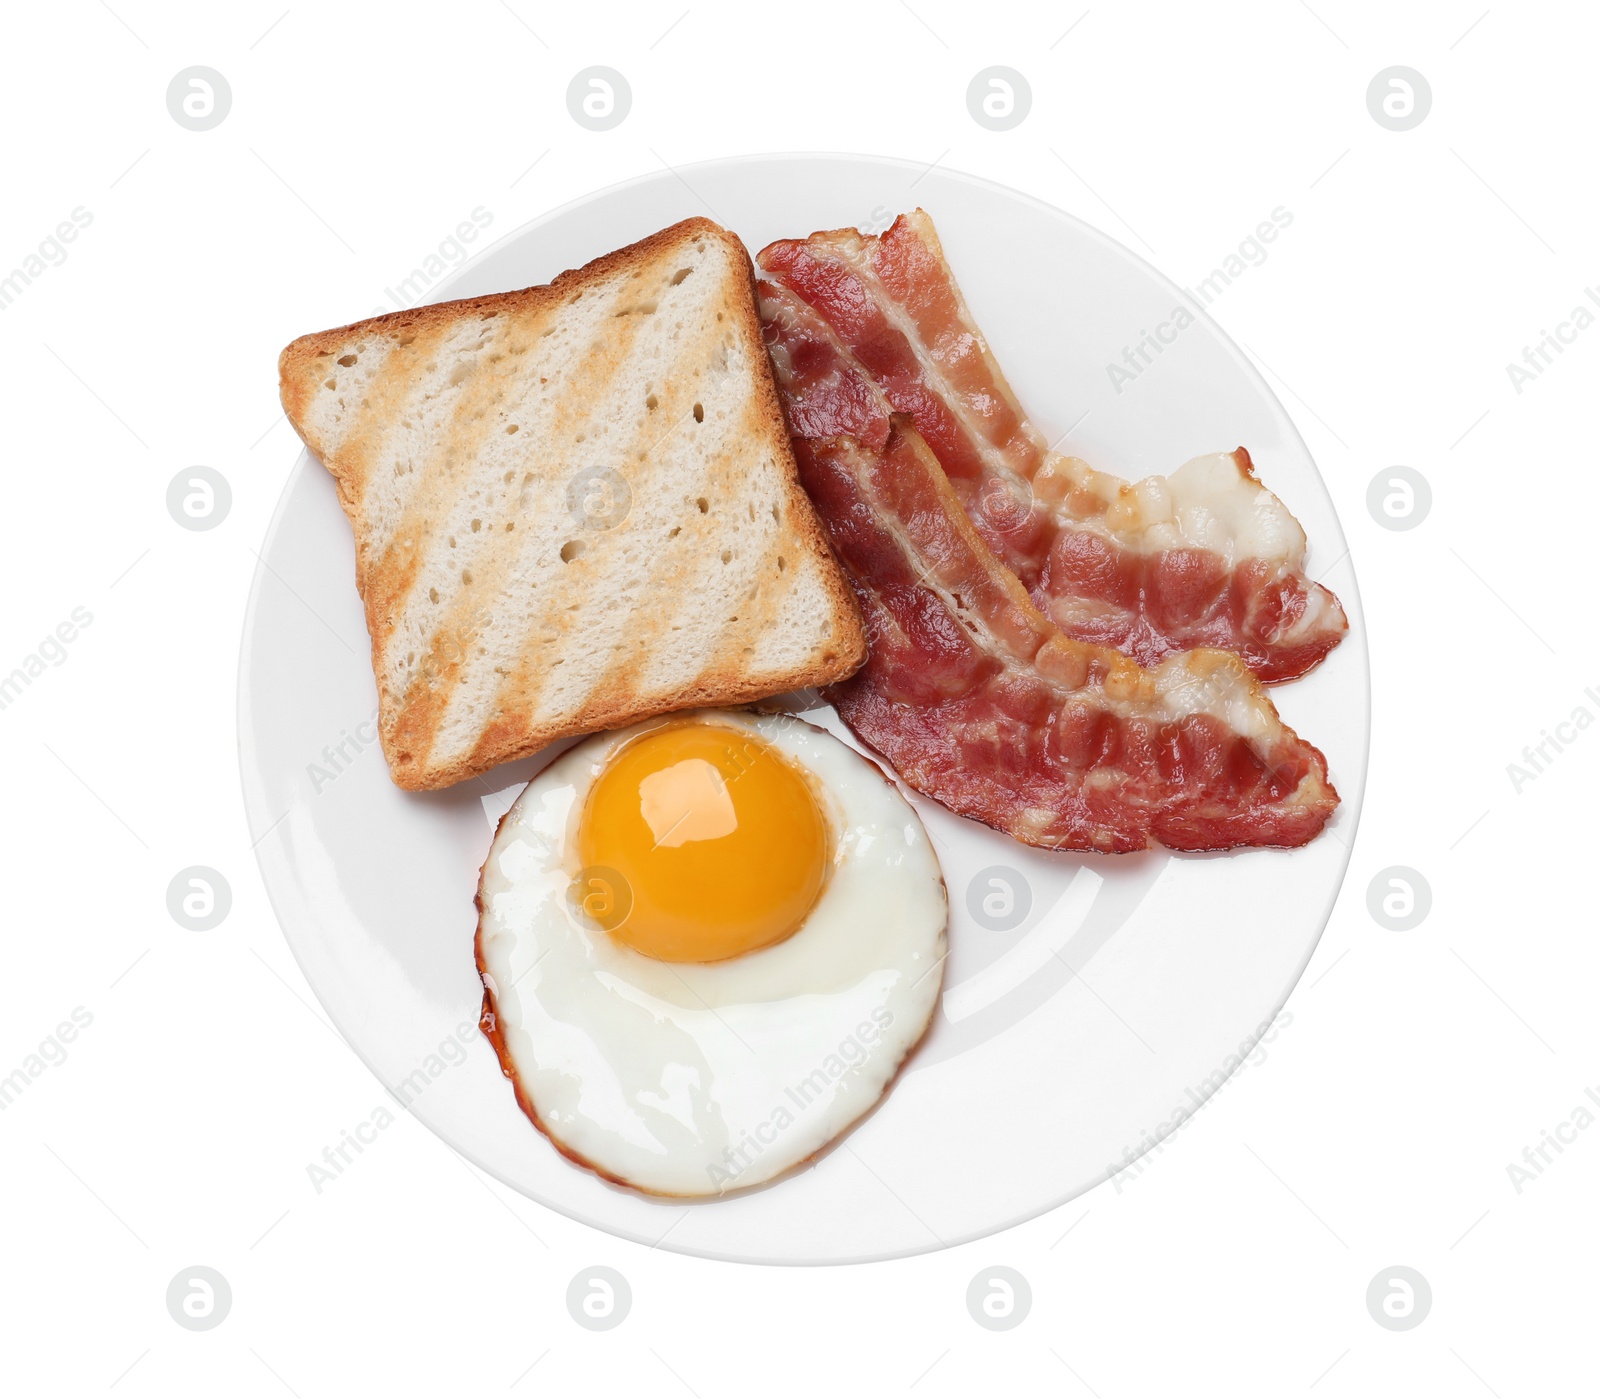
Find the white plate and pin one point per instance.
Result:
(1033, 1082)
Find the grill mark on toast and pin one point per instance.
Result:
(612, 695)
(416, 535)
(387, 402)
(616, 686)
(756, 607)
(415, 541)
(368, 430)
(524, 681)
(385, 575)
(489, 556)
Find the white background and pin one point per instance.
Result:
(1378, 1128)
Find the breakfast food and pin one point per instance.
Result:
(708, 938)
(979, 702)
(707, 942)
(574, 506)
(860, 326)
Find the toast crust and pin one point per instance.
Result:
(408, 723)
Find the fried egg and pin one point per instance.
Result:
(707, 943)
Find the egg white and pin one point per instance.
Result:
(694, 1079)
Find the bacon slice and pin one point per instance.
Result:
(983, 705)
(1204, 557)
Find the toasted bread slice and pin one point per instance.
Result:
(575, 506)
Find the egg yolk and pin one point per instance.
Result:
(718, 839)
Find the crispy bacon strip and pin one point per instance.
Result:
(1204, 557)
(980, 703)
